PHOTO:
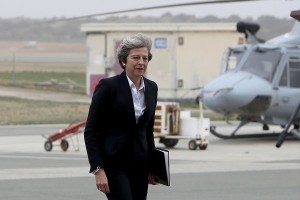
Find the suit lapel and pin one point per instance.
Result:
(148, 99)
(126, 95)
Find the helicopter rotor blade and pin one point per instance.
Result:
(152, 8)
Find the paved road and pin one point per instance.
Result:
(248, 169)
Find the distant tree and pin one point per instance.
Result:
(269, 26)
(25, 29)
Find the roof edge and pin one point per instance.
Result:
(152, 27)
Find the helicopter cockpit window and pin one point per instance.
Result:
(284, 78)
(294, 72)
(262, 63)
(231, 59)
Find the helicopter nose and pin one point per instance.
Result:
(237, 93)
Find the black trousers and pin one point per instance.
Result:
(127, 180)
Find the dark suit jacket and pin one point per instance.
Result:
(111, 126)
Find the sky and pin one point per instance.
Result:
(72, 8)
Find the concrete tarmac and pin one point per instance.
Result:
(248, 169)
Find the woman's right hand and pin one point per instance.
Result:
(101, 181)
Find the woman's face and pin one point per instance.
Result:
(136, 62)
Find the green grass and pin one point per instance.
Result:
(42, 76)
(29, 79)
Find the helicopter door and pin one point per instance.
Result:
(289, 87)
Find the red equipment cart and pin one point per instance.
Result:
(63, 134)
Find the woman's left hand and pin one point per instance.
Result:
(152, 180)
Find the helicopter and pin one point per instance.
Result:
(259, 82)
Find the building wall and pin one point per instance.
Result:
(95, 68)
(199, 59)
(184, 57)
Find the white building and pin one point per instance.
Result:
(185, 55)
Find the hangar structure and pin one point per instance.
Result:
(185, 55)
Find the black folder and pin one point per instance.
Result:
(160, 165)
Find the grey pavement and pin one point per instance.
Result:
(248, 169)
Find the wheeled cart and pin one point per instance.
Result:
(171, 125)
(63, 134)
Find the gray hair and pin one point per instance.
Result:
(132, 42)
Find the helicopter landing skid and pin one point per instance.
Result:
(233, 136)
